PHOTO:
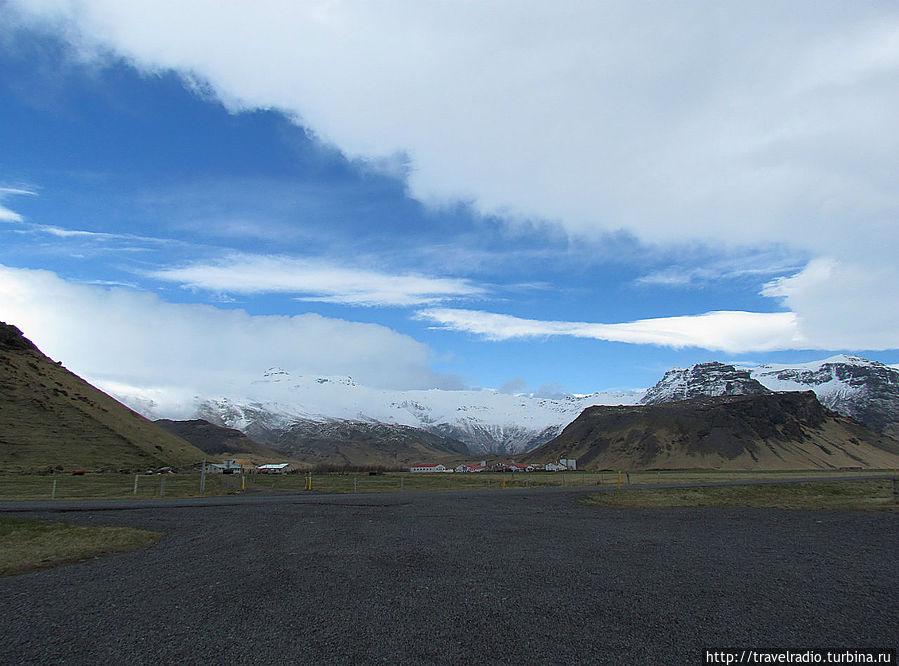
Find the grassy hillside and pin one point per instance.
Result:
(50, 417)
(751, 432)
(218, 440)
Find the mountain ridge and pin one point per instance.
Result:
(493, 423)
(760, 431)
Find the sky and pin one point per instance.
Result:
(527, 196)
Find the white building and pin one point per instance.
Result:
(229, 466)
(429, 468)
(275, 468)
(471, 468)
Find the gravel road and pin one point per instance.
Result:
(513, 577)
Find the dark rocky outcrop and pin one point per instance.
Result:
(214, 439)
(789, 430)
(702, 379)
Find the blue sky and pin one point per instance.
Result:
(447, 211)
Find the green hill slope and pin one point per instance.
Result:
(50, 417)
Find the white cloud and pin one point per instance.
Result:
(751, 124)
(700, 271)
(123, 337)
(316, 280)
(7, 215)
(733, 332)
(843, 305)
(743, 121)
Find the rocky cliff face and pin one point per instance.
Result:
(756, 431)
(867, 391)
(704, 379)
(11, 339)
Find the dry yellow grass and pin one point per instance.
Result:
(851, 495)
(30, 545)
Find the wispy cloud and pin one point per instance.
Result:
(317, 280)
(6, 214)
(100, 237)
(733, 332)
(695, 272)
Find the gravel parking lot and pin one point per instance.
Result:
(496, 577)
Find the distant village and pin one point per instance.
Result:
(562, 465)
(232, 466)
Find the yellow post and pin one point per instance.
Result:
(619, 479)
(243, 481)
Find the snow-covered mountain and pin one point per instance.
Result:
(486, 421)
(281, 405)
(867, 391)
(703, 379)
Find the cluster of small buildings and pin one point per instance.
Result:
(231, 466)
(562, 465)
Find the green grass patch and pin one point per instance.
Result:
(108, 485)
(854, 495)
(30, 545)
(20, 487)
(423, 482)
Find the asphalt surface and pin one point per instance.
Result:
(482, 577)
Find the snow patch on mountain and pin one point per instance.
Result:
(702, 380)
(868, 391)
(487, 421)
(490, 421)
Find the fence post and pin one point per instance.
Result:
(136, 476)
(53, 492)
(162, 485)
(355, 484)
(203, 477)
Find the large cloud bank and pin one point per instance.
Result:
(132, 342)
(725, 123)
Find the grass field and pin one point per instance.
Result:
(855, 495)
(108, 486)
(404, 481)
(121, 486)
(30, 545)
